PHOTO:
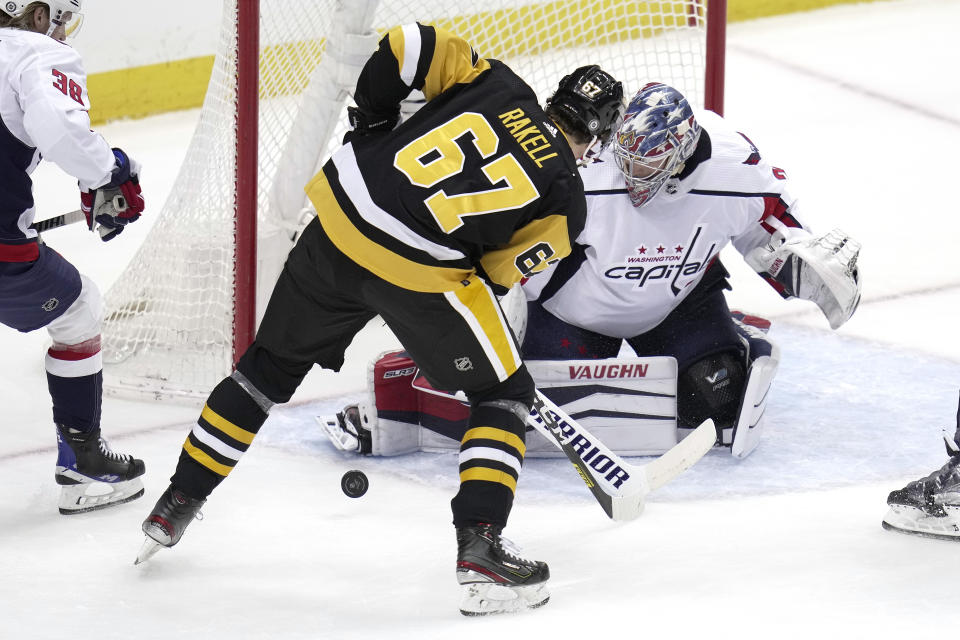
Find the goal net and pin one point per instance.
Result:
(186, 306)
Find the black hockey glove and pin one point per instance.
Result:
(364, 124)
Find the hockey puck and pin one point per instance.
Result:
(354, 483)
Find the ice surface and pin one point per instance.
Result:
(859, 104)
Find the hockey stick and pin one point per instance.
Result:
(58, 221)
(620, 488)
(62, 220)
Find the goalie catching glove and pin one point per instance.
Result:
(117, 203)
(822, 269)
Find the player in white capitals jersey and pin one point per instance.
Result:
(671, 191)
(43, 113)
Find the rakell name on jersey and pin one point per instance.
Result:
(528, 135)
(608, 371)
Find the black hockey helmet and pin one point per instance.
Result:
(590, 100)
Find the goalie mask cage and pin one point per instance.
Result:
(274, 111)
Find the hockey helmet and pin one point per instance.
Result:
(63, 13)
(658, 135)
(591, 100)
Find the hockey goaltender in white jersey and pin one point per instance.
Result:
(637, 264)
(669, 194)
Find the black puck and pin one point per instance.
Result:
(354, 483)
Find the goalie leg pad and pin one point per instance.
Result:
(763, 357)
(711, 388)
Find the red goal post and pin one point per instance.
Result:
(188, 304)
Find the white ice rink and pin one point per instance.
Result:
(859, 104)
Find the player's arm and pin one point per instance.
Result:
(55, 101)
(532, 249)
(54, 97)
(413, 56)
(794, 261)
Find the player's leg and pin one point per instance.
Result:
(930, 506)
(549, 338)
(309, 319)
(711, 358)
(51, 293)
(461, 340)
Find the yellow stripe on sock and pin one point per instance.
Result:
(227, 427)
(491, 433)
(489, 475)
(204, 459)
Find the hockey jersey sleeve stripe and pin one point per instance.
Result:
(453, 62)
(773, 205)
(477, 305)
(406, 47)
(531, 249)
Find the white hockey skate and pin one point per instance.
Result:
(90, 475)
(930, 506)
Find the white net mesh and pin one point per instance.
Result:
(169, 324)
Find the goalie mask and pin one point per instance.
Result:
(592, 101)
(658, 135)
(64, 14)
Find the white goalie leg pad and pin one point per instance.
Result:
(628, 403)
(483, 599)
(388, 391)
(750, 418)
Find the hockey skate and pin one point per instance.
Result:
(90, 475)
(495, 578)
(346, 431)
(166, 523)
(929, 507)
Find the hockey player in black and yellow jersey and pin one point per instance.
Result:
(422, 223)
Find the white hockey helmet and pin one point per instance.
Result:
(658, 135)
(65, 13)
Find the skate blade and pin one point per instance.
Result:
(91, 496)
(483, 599)
(147, 550)
(912, 521)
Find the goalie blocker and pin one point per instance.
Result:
(628, 403)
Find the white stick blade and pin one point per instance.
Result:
(682, 456)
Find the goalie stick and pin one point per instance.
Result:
(620, 488)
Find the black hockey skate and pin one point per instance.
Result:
(496, 578)
(166, 523)
(90, 475)
(930, 506)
